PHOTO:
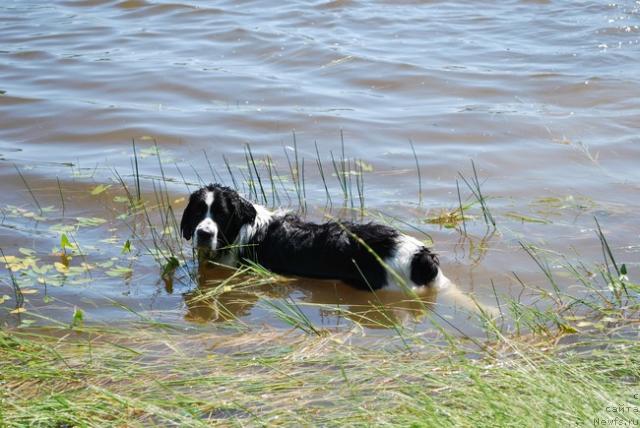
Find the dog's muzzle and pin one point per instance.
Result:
(206, 237)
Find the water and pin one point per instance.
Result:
(543, 96)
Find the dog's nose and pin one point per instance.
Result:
(203, 236)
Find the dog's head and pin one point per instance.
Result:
(213, 218)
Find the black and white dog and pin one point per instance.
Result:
(229, 229)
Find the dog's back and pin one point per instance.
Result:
(359, 254)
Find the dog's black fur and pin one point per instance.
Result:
(231, 229)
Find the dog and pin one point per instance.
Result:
(228, 229)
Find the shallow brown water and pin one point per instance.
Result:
(544, 97)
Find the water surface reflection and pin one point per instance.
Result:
(216, 300)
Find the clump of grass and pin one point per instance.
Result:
(264, 184)
(451, 218)
(155, 375)
(617, 283)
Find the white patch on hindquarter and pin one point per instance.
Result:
(400, 262)
(208, 225)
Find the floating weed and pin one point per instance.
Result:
(27, 251)
(90, 221)
(450, 219)
(61, 228)
(19, 263)
(12, 211)
(578, 146)
(53, 269)
(525, 218)
(100, 188)
(554, 205)
(363, 166)
(151, 150)
(79, 172)
(117, 271)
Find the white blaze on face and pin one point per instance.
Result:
(208, 225)
(208, 199)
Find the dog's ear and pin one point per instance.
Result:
(243, 209)
(189, 217)
(231, 212)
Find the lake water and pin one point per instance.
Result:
(543, 96)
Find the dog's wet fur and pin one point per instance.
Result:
(228, 229)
